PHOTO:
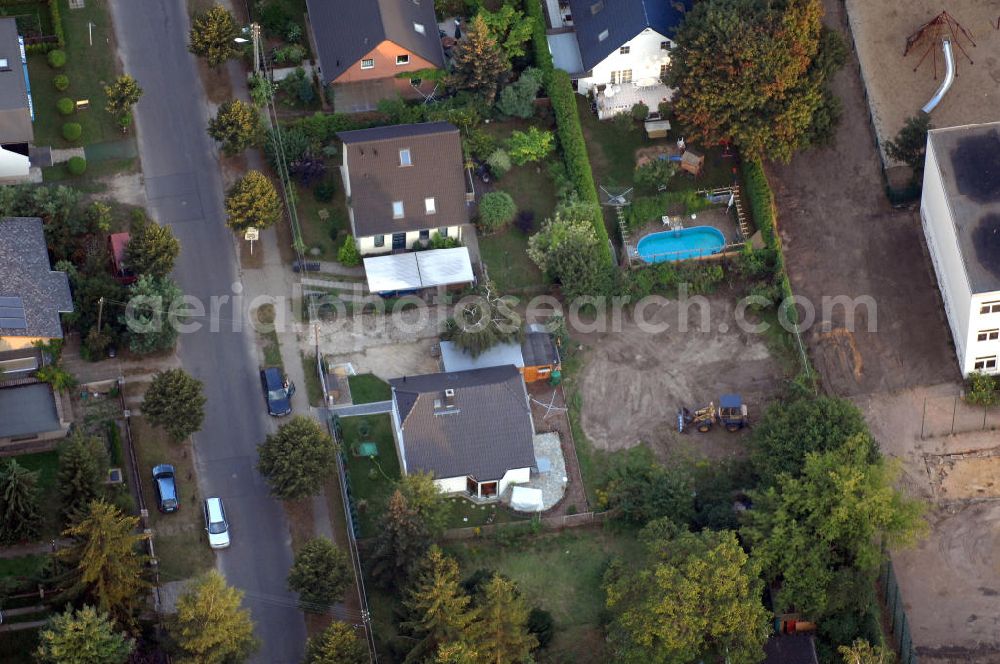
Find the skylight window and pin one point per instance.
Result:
(404, 157)
(602, 36)
(397, 209)
(419, 27)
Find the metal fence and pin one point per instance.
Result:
(946, 416)
(898, 624)
(547, 523)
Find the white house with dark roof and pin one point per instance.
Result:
(471, 429)
(620, 49)
(960, 212)
(16, 112)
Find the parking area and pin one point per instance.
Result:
(634, 380)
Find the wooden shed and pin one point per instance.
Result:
(540, 353)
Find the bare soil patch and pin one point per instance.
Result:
(633, 381)
(896, 91)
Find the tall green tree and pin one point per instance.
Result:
(479, 64)
(108, 568)
(147, 317)
(426, 498)
(20, 519)
(82, 636)
(691, 597)
(438, 606)
(790, 430)
(401, 543)
(518, 99)
(509, 28)
(213, 35)
(531, 145)
(482, 322)
(297, 459)
(499, 632)
(175, 401)
(568, 251)
(252, 203)
(756, 74)
(836, 515)
(639, 490)
(862, 652)
(123, 93)
(457, 652)
(152, 249)
(235, 126)
(83, 467)
(338, 644)
(211, 625)
(320, 574)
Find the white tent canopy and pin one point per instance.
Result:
(525, 499)
(418, 269)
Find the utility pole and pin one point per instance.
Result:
(100, 311)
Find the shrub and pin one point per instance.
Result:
(499, 162)
(496, 210)
(57, 59)
(531, 145)
(65, 105)
(640, 111)
(480, 145)
(348, 253)
(325, 190)
(60, 82)
(72, 131)
(292, 54)
(525, 221)
(981, 389)
(650, 176)
(76, 165)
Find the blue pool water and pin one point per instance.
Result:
(681, 244)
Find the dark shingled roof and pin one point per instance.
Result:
(623, 19)
(790, 649)
(15, 118)
(25, 273)
(377, 179)
(968, 158)
(487, 431)
(27, 410)
(347, 30)
(538, 349)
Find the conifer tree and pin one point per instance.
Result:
(499, 633)
(479, 63)
(19, 516)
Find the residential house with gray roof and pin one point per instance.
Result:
(403, 184)
(16, 112)
(620, 47)
(471, 429)
(363, 46)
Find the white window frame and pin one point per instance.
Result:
(430, 205)
(982, 363)
(398, 211)
(403, 59)
(625, 50)
(626, 76)
(380, 240)
(989, 308)
(988, 335)
(368, 63)
(405, 158)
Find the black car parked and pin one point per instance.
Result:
(277, 391)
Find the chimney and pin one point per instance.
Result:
(449, 398)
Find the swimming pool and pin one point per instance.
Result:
(681, 244)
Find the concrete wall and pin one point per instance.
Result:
(942, 243)
(384, 56)
(644, 59)
(366, 245)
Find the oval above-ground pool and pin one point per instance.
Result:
(681, 244)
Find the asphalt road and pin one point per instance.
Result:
(185, 190)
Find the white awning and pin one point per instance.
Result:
(418, 269)
(524, 499)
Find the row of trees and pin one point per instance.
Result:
(822, 504)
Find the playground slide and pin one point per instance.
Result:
(949, 77)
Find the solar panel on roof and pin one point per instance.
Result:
(12, 313)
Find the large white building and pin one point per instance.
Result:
(620, 49)
(960, 211)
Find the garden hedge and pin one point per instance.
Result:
(72, 131)
(570, 132)
(57, 27)
(76, 165)
(65, 106)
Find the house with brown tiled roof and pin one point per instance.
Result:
(404, 183)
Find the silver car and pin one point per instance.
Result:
(215, 523)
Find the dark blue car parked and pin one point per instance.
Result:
(166, 488)
(277, 391)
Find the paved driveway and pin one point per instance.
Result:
(842, 237)
(184, 187)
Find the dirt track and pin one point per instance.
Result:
(634, 381)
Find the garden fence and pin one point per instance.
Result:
(949, 415)
(547, 523)
(898, 624)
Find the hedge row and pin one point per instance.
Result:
(57, 27)
(568, 129)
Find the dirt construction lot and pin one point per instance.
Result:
(896, 91)
(633, 381)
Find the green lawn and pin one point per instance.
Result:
(313, 388)
(89, 69)
(47, 465)
(272, 348)
(505, 255)
(16, 647)
(368, 388)
(372, 480)
(27, 567)
(177, 537)
(320, 222)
